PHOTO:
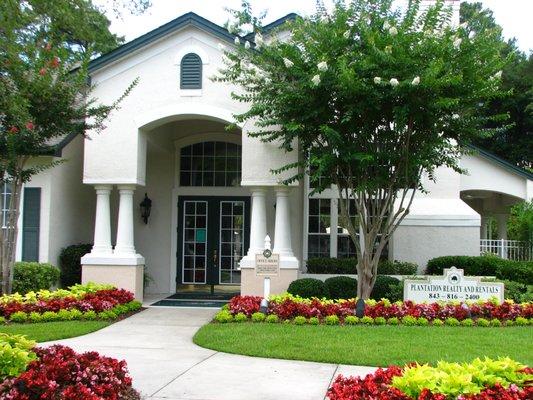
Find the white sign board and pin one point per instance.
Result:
(452, 286)
(267, 264)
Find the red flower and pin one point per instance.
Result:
(101, 300)
(30, 126)
(54, 63)
(61, 374)
(42, 71)
(377, 386)
(13, 129)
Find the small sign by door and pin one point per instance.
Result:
(267, 264)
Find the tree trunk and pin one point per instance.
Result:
(366, 277)
(8, 237)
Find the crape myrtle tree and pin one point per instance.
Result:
(376, 98)
(45, 48)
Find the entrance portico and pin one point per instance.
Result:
(203, 219)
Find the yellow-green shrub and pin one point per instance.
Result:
(453, 379)
(15, 354)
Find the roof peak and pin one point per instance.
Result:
(189, 18)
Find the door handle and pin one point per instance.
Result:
(215, 257)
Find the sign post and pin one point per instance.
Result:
(266, 265)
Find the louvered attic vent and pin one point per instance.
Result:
(191, 72)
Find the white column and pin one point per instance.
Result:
(282, 230)
(258, 223)
(501, 220)
(484, 228)
(102, 223)
(125, 238)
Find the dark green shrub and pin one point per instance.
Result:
(382, 287)
(488, 265)
(328, 265)
(395, 291)
(478, 266)
(70, 265)
(308, 287)
(33, 276)
(387, 267)
(341, 287)
(518, 292)
(348, 266)
(518, 271)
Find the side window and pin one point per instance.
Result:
(5, 196)
(191, 72)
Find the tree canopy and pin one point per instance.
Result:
(375, 98)
(45, 50)
(515, 143)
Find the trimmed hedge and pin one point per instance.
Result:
(383, 287)
(387, 267)
(33, 276)
(328, 265)
(308, 287)
(70, 263)
(341, 287)
(518, 292)
(489, 265)
(345, 287)
(348, 266)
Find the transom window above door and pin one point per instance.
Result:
(210, 164)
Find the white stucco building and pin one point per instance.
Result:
(213, 197)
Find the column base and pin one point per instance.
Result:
(252, 285)
(124, 272)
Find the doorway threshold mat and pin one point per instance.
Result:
(196, 303)
(196, 295)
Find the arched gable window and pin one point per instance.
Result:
(210, 164)
(191, 72)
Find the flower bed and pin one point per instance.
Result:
(333, 312)
(88, 302)
(479, 380)
(58, 373)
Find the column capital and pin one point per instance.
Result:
(103, 188)
(282, 190)
(126, 187)
(258, 190)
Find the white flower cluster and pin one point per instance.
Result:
(395, 82)
(497, 76)
(259, 42)
(288, 63)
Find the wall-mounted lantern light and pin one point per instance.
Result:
(146, 207)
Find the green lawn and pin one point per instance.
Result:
(46, 331)
(367, 345)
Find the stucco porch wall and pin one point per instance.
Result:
(157, 240)
(419, 244)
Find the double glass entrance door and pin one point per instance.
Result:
(213, 236)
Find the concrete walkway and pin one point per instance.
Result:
(166, 364)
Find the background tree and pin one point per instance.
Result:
(376, 100)
(520, 225)
(515, 143)
(45, 48)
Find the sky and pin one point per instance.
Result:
(513, 15)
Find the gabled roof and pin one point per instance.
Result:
(189, 19)
(501, 162)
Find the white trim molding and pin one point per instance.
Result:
(182, 111)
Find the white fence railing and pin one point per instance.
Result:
(508, 249)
